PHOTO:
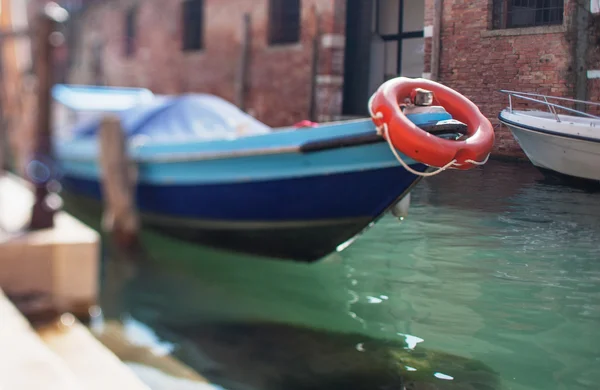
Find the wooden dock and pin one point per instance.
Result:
(62, 355)
(49, 261)
(65, 355)
(57, 268)
(50, 282)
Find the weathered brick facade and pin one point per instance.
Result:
(278, 91)
(475, 59)
(479, 61)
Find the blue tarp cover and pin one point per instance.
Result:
(191, 116)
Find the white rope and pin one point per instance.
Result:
(405, 165)
(479, 163)
(383, 130)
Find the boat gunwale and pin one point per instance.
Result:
(354, 140)
(205, 156)
(311, 146)
(526, 127)
(530, 96)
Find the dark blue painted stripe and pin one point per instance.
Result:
(352, 194)
(549, 132)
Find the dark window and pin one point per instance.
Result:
(284, 21)
(527, 13)
(193, 22)
(130, 30)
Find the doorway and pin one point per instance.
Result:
(384, 39)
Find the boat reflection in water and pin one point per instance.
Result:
(231, 341)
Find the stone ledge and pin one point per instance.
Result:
(428, 31)
(333, 41)
(330, 80)
(593, 74)
(524, 31)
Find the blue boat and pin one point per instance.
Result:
(214, 175)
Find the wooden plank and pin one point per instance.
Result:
(96, 367)
(159, 380)
(25, 361)
(114, 338)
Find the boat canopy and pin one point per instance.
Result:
(181, 117)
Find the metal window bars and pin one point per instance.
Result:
(537, 97)
(527, 13)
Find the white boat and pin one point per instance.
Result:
(559, 144)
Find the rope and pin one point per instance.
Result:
(405, 165)
(479, 163)
(383, 130)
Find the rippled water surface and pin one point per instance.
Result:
(491, 265)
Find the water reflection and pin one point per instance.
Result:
(492, 266)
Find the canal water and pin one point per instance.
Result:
(492, 267)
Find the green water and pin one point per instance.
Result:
(492, 265)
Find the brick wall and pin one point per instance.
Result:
(478, 61)
(475, 60)
(279, 77)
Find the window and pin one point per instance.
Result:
(399, 24)
(527, 13)
(193, 21)
(130, 30)
(284, 21)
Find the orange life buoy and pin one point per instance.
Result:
(425, 147)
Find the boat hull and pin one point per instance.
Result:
(567, 156)
(299, 219)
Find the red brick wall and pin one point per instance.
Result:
(279, 76)
(477, 61)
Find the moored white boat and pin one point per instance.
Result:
(564, 145)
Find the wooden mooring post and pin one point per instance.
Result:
(119, 177)
(42, 213)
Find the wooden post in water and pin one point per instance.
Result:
(42, 213)
(118, 184)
